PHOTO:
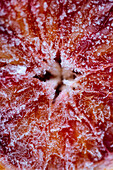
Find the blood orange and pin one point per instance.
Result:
(56, 84)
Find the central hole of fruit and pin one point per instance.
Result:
(65, 77)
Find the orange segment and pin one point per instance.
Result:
(100, 80)
(72, 135)
(87, 35)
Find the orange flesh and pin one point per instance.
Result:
(56, 84)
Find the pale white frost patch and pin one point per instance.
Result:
(17, 69)
(63, 16)
(45, 6)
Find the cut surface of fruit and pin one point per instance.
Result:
(56, 84)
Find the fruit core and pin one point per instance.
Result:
(64, 78)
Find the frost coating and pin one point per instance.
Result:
(56, 84)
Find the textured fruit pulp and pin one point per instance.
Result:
(56, 84)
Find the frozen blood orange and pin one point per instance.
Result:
(56, 84)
